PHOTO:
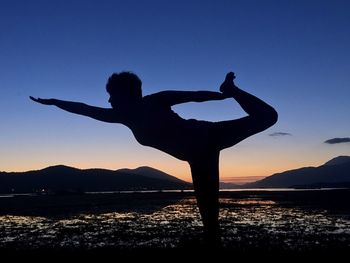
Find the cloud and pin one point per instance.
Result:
(337, 140)
(277, 134)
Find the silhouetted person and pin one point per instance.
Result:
(154, 124)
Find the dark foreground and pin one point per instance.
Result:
(251, 221)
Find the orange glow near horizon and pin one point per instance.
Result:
(255, 157)
(236, 172)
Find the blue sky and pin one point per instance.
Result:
(292, 54)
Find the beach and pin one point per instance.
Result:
(251, 220)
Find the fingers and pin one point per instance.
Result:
(42, 101)
(34, 99)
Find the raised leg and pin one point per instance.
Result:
(205, 175)
(260, 116)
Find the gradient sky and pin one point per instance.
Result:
(292, 54)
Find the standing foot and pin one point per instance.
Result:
(212, 240)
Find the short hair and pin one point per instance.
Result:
(126, 83)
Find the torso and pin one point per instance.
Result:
(160, 127)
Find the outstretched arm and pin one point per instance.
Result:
(173, 97)
(101, 114)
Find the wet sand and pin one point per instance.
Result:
(251, 221)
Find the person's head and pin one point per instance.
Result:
(123, 88)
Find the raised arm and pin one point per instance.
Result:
(101, 114)
(173, 97)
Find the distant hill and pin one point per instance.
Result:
(151, 173)
(334, 173)
(62, 178)
(338, 160)
(224, 185)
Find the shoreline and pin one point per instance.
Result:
(135, 223)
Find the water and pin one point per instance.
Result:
(248, 221)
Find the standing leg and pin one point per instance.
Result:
(205, 175)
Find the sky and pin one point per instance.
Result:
(292, 54)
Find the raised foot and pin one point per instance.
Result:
(228, 86)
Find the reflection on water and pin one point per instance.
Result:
(262, 223)
(246, 223)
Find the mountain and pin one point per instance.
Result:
(338, 160)
(224, 185)
(151, 173)
(334, 173)
(62, 178)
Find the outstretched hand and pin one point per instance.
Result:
(228, 86)
(43, 101)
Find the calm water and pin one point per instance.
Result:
(247, 223)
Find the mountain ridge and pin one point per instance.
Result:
(60, 178)
(338, 160)
(333, 172)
